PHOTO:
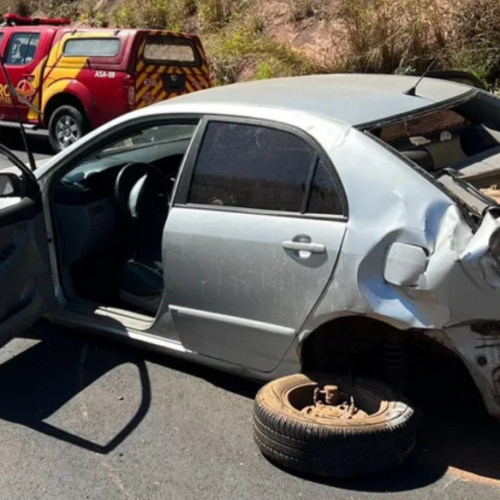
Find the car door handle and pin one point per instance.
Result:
(301, 246)
(28, 76)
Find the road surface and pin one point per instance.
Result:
(88, 418)
(37, 141)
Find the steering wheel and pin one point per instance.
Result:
(139, 187)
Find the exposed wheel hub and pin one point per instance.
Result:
(331, 402)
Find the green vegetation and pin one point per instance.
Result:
(243, 37)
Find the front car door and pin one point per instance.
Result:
(251, 241)
(26, 286)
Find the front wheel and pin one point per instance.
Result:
(334, 426)
(66, 126)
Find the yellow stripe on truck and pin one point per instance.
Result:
(37, 85)
(63, 70)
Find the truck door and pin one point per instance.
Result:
(24, 54)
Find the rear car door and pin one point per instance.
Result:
(25, 56)
(169, 64)
(251, 241)
(26, 286)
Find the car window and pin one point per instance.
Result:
(152, 135)
(92, 47)
(148, 145)
(324, 197)
(22, 48)
(252, 167)
(164, 49)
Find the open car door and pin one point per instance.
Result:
(26, 286)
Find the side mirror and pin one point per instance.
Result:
(10, 185)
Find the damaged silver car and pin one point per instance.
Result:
(282, 231)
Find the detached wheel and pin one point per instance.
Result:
(330, 425)
(66, 126)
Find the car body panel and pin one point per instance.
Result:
(234, 292)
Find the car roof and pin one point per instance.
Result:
(351, 98)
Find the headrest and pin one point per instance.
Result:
(421, 157)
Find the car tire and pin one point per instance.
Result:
(333, 447)
(68, 120)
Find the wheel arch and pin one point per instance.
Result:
(343, 325)
(62, 99)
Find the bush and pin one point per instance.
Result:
(393, 35)
(475, 37)
(154, 14)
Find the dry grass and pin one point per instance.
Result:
(307, 9)
(356, 35)
(393, 35)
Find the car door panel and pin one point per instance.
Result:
(26, 287)
(235, 291)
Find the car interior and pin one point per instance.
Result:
(458, 145)
(110, 212)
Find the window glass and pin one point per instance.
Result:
(154, 135)
(324, 197)
(170, 49)
(252, 167)
(162, 145)
(92, 47)
(22, 48)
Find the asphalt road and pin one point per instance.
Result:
(37, 141)
(87, 418)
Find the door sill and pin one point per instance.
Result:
(130, 319)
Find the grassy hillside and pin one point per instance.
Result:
(267, 38)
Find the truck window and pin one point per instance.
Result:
(92, 47)
(162, 49)
(22, 48)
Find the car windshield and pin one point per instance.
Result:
(457, 145)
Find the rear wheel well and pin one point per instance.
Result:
(59, 100)
(334, 345)
(368, 347)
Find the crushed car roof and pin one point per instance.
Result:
(351, 98)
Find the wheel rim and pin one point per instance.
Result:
(329, 403)
(67, 131)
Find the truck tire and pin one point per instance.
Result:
(332, 446)
(66, 126)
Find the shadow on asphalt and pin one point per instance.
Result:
(39, 144)
(459, 436)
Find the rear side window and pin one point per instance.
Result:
(92, 47)
(252, 167)
(22, 48)
(324, 196)
(162, 49)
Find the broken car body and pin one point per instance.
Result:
(407, 243)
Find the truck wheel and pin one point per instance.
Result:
(330, 425)
(66, 126)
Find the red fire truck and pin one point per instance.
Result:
(70, 80)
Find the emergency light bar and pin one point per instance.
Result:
(16, 20)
